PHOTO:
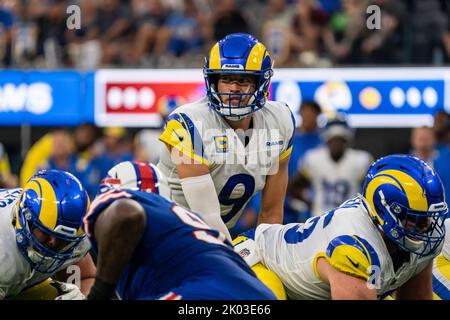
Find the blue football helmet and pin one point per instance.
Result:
(238, 54)
(53, 203)
(407, 202)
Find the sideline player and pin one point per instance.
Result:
(234, 142)
(334, 171)
(150, 248)
(380, 242)
(41, 235)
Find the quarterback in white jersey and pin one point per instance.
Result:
(334, 171)
(233, 143)
(381, 242)
(441, 269)
(40, 235)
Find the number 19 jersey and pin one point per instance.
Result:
(238, 170)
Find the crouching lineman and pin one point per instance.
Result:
(150, 248)
(380, 242)
(441, 269)
(41, 235)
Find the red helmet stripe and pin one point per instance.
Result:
(147, 177)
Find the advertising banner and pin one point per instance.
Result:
(40, 98)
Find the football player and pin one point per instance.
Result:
(335, 171)
(151, 248)
(381, 242)
(41, 235)
(441, 270)
(232, 143)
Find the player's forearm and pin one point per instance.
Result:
(272, 216)
(201, 197)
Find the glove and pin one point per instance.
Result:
(67, 291)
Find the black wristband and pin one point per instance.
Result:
(101, 290)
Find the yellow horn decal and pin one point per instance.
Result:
(372, 187)
(214, 58)
(256, 57)
(48, 214)
(416, 196)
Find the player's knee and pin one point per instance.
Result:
(271, 280)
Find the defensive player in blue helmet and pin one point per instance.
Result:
(151, 248)
(40, 235)
(232, 143)
(380, 243)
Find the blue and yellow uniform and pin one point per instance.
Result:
(179, 256)
(441, 269)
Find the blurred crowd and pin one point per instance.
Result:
(178, 33)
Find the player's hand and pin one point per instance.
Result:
(67, 291)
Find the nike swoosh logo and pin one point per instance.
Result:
(355, 264)
(179, 137)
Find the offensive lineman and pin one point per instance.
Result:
(381, 242)
(41, 235)
(231, 144)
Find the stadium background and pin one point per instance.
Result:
(132, 62)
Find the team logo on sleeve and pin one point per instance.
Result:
(221, 143)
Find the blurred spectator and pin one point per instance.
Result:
(50, 18)
(335, 172)
(39, 152)
(384, 45)
(7, 179)
(183, 36)
(427, 22)
(113, 24)
(113, 148)
(422, 144)
(343, 35)
(226, 19)
(306, 32)
(275, 31)
(441, 128)
(6, 32)
(147, 146)
(438, 157)
(84, 47)
(306, 137)
(150, 17)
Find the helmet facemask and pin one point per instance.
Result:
(419, 232)
(238, 54)
(234, 113)
(40, 257)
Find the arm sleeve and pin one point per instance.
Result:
(202, 199)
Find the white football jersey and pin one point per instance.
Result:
(347, 238)
(15, 272)
(446, 247)
(238, 170)
(334, 182)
